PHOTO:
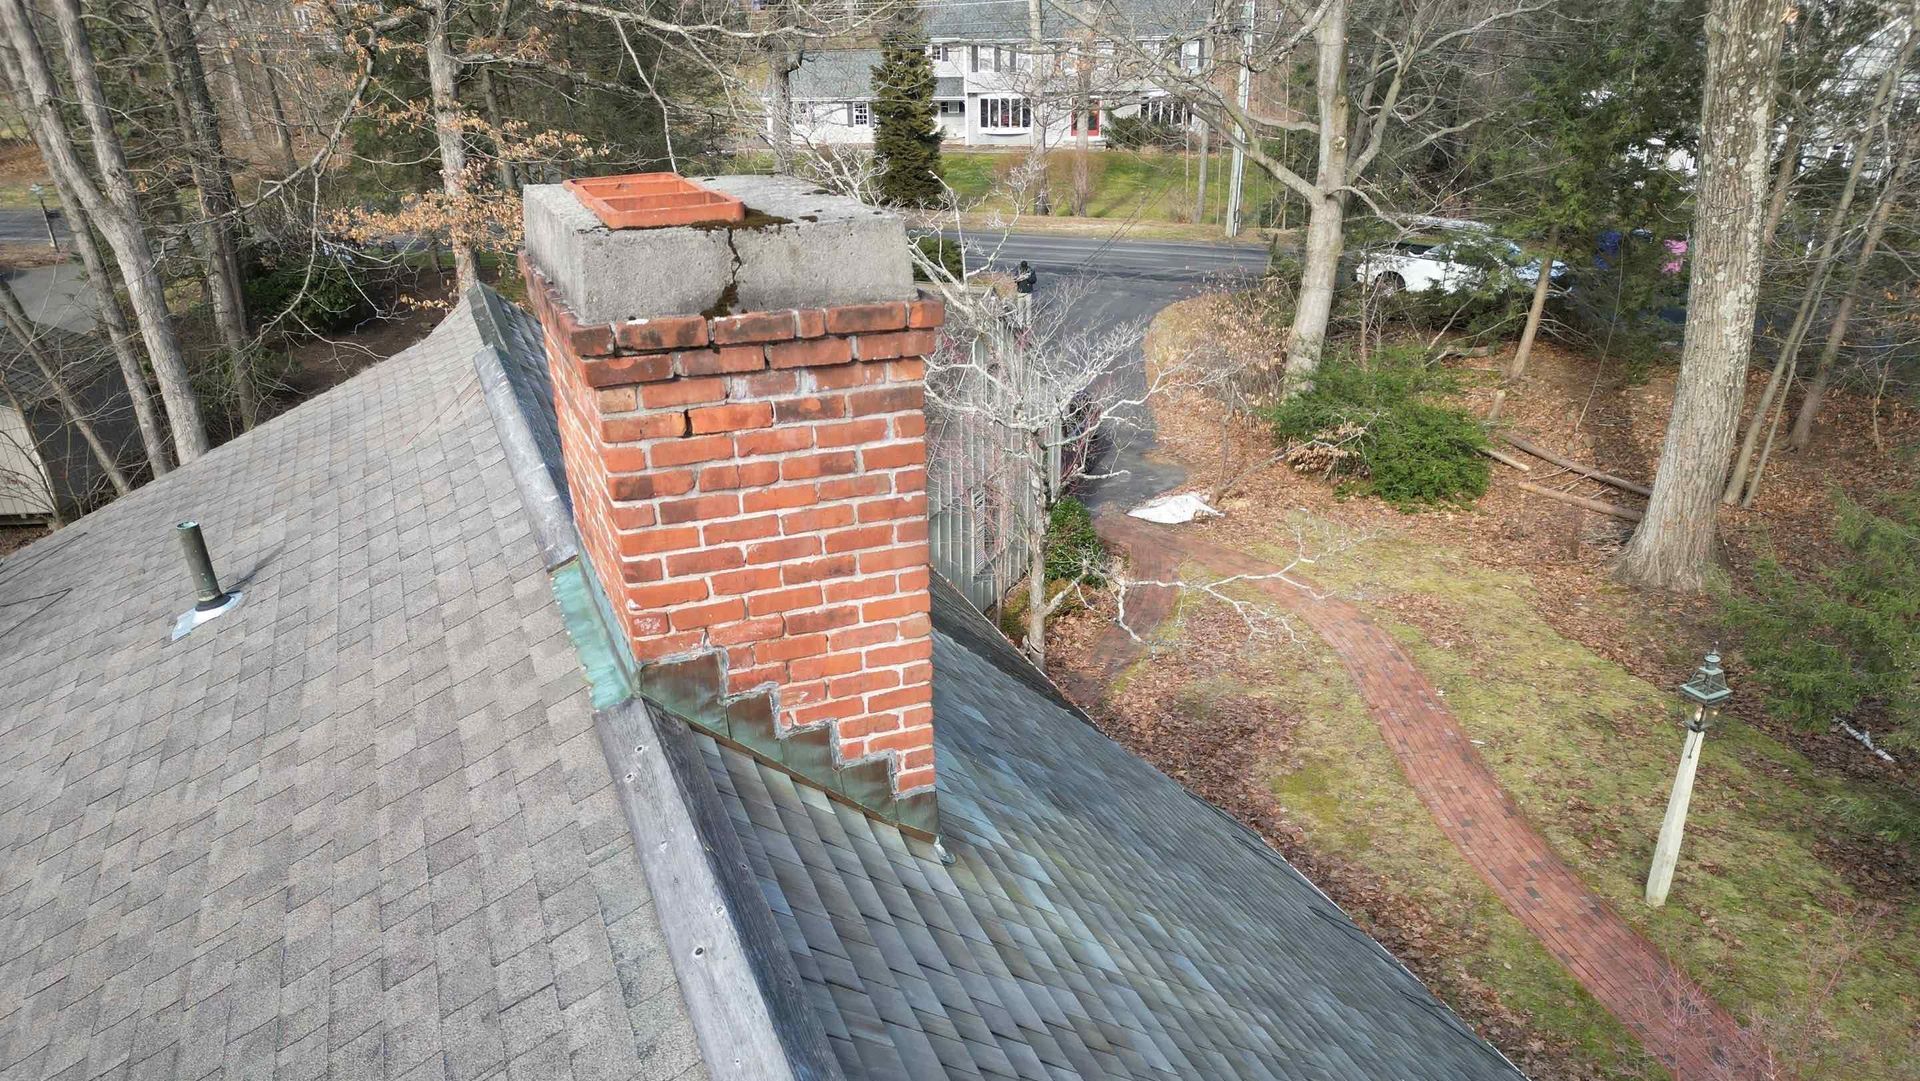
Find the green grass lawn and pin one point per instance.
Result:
(1761, 913)
(1144, 185)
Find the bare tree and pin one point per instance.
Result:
(113, 210)
(27, 336)
(1672, 548)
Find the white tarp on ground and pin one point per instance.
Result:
(1174, 509)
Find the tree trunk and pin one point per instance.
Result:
(443, 74)
(1037, 553)
(153, 436)
(1200, 189)
(780, 73)
(282, 129)
(114, 212)
(1325, 212)
(213, 184)
(14, 318)
(1816, 287)
(1517, 367)
(1802, 432)
(1087, 114)
(1783, 183)
(1673, 547)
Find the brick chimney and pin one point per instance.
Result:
(740, 410)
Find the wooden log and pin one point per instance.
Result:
(1506, 459)
(1584, 470)
(1580, 501)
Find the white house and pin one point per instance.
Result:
(996, 84)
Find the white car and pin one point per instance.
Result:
(1461, 262)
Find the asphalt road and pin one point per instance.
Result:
(1119, 282)
(28, 227)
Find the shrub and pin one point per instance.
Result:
(325, 298)
(1375, 428)
(1138, 132)
(941, 252)
(1073, 548)
(1846, 638)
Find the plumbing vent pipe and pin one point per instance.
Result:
(210, 600)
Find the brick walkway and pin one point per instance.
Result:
(1674, 1020)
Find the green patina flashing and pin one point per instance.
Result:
(693, 688)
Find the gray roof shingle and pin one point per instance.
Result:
(359, 826)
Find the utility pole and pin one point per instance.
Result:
(1240, 133)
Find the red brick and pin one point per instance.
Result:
(636, 571)
(810, 353)
(817, 465)
(630, 516)
(661, 334)
(786, 600)
(859, 589)
(866, 318)
(644, 426)
(909, 343)
(618, 371)
(848, 433)
(741, 529)
(828, 711)
(649, 541)
(704, 561)
(617, 399)
(724, 361)
(852, 540)
(869, 725)
(624, 457)
(818, 569)
(699, 509)
(782, 498)
(652, 649)
(893, 607)
(636, 486)
(852, 375)
(683, 392)
(730, 418)
(907, 370)
(894, 455)
(909, 481)
(887, 559)
(762, 385)
(863, 683)
(916, 626)
(747, 631)
(791, 646)
(831, 664)
(863, 403)
(921, 672)
(921, 760)
(910, 425)
(776, 441)
(905, 506)
(900, 653)
(583, 340)
(926, 312)
(748, 580)
(747, 679)
(801, 410)
(905, 696)
(706, 615)
(754, 327)
(753, 474)
(855, 487)
(779, 551)
(814, 519)
(910, 530)
(667, 594)
(688, 451)
(822, 619)
(811, 322)
(862, 636)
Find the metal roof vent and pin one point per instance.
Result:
(213, 601)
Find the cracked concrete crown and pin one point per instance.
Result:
(830, 250)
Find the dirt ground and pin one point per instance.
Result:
(1253, 730)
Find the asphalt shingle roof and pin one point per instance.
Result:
(835, 75)
(358, 827)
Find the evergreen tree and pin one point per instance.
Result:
(905, 137)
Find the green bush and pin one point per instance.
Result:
(1137, 133)
(1845, 640)
(942, 253)
(1073, 548)
(1377, 428)
(324, 298)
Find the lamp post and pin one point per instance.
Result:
(46, 216)
(1708, 693)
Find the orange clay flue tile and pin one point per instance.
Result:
(653, 200)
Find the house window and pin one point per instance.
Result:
(1006, 113)
(860, 113)
(973, 52)
(1193, 56)
(1093, 122)
(953, 108)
